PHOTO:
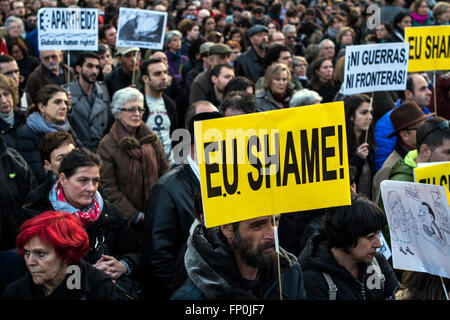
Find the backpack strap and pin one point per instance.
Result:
(332, 289)
(378, 272)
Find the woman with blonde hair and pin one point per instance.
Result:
(276, 92)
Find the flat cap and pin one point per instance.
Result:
(257, 28)
(219, 48)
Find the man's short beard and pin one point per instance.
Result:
(253, 258)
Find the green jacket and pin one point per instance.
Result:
(403, 170)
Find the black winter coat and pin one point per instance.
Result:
(28, 142)
(250, 65)
(7, 131)
(94, 285)
(317, 258)
(16, 180)
(169, 216)
(109, 235)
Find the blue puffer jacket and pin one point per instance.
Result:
(383, 129)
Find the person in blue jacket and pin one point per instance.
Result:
(417, 91)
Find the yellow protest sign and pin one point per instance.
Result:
(438, 174)
(429, 48)
(273, 162)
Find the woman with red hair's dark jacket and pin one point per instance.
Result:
(53, 244)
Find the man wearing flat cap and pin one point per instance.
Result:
(251, 63)
(406, 119)
(219, 53)
(122, 76)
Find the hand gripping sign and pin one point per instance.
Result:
(273, 162)
(68, 29)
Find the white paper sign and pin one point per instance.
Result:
(375, 67)
(384, 247)
(141, 28)
(74, 29)
(419, 226)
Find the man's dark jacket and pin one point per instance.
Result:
(169, 215)
(250, 65)
(16, 180)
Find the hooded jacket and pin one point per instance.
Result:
(213, 273)
(317, 258)
(403, 170)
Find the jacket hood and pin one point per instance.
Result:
(210, 264)
(405, 166)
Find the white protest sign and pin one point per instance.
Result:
(419, 226)
(385, 250)
(72, 29)
(375, 67)
(141, 28)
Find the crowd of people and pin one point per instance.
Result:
(92, 182)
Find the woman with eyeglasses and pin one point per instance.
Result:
(133, 156)
(420, 13)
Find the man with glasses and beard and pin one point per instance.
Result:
(52, 70)
(91, 117)
(238, 261)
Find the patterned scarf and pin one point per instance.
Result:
(87, 216)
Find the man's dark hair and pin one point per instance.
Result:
(343, 226)
(77, 158)
(273, 53)
(86, 55)
(432, 132)
(146, 63)
(101, 32)
(239, 100)
(239, 83)
(218, 68)
(6, 58)
(52, 141)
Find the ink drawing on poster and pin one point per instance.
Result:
(141, 28)
(418, 215)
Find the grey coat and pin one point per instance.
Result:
(266, 102)
(90, 123)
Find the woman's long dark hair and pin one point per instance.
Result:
(314, 78)
(351, 104)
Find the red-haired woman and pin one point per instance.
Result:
(53, 244)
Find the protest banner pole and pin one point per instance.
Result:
(277, 249)
(434, 95)
(444, 287)
(68, 73)
(134, 69)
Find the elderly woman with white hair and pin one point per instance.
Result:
(133, 156)
(172, 43)
(14, 28)
(304, 97)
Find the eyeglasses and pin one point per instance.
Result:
(52, 57)
(290, 37)
(133, 109)
(442, 126)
